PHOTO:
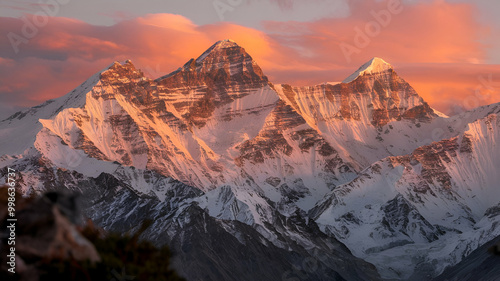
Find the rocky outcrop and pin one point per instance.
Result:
(44, 231)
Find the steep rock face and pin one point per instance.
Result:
(223, 64)
(222, 74)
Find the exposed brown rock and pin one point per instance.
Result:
(432, 157)
(466, 144)
(270, 141)
(290, 95)
(422, 113)
(118, 72)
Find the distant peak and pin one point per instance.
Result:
(119, 65)
(378, 62)
(219, 45)
(375, 65)
(226, 43)
(121, 69)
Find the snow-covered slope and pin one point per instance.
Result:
(23, 125)
(435, 203)
(480, 265)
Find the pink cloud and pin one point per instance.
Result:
(437, 32)
(425, 43)
(452, 87)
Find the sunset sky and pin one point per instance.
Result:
(449, 51)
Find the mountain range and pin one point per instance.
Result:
(245, 179)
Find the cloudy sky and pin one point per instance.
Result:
(448, 50)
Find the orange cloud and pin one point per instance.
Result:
(158, 44)
(452, 88)
(425, 43)
(437, 32)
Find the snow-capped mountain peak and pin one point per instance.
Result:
(219, 47)
(375, 65)
(226, 43)
(225, 64)
(120, 72)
